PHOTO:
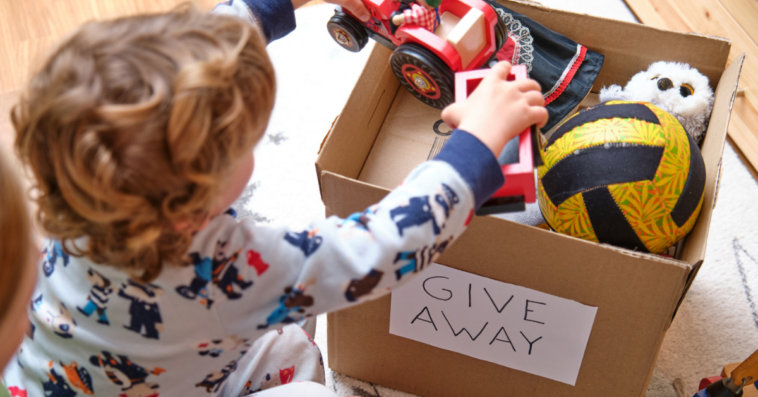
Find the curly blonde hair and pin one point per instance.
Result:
(132, 125)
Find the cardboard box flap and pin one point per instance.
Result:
(631, 47)
(713, 148)
(352, 135)
(334, 191)
(695, 269)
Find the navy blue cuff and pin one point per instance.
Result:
(475, 162)
(276, 17)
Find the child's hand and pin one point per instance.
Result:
(498, 109)
(355, 6)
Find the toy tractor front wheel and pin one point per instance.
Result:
(423, 74)
(501, 36)
(347, 32)
(501, 32)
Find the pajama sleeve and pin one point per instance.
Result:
(286, 275)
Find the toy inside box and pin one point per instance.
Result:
(383, 132)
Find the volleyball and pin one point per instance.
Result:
(622, 173)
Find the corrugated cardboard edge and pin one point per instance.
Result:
(717, 131)
(690, 279)
(718, 182)
(734, 68)
(328, 132)
(320, 148)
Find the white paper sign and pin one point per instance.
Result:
(493, 321)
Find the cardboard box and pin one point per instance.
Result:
(383, 132)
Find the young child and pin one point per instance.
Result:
(18, 269)
(140, 134)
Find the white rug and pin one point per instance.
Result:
(716, 324)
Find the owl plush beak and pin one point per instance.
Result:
(674, 87)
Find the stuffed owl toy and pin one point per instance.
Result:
(674, 87)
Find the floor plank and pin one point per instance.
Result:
(659, 13)
(29, 28)
(745, 12)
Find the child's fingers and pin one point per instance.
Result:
(355, 6)
(534, 98)
(500, 71)
(537, 115)
(527, 85)
(451, 115)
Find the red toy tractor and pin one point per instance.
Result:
(469, 35)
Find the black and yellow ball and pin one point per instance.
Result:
(622, 173)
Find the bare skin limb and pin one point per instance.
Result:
(355, 6)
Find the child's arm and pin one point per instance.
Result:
(336, 263)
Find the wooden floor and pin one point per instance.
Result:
(28, 28)
(736, 20)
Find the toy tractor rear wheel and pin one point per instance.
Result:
(423, 74)
(501, 32)
(347, 32)
(501, 36)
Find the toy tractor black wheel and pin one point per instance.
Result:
(501, 32)
(501, 36)
(347, 32)
(423, 74)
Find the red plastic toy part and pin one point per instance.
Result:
(705, 382)
(519, 187)
(410, 33)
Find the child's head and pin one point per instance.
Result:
(17, 268)
(134, 126)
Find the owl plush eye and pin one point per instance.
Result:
(686, 90)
